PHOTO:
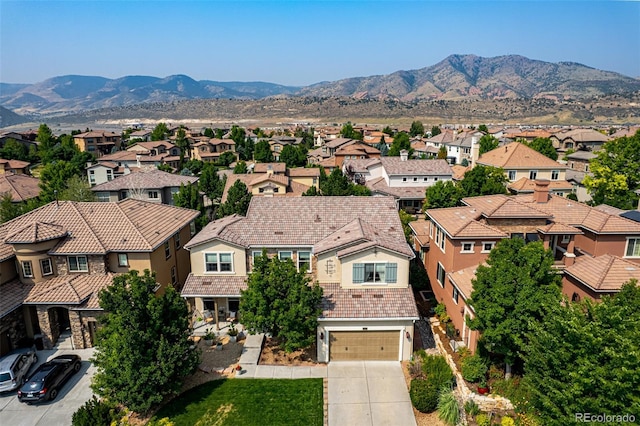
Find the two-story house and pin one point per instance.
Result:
(152, 185)
(55, 260)
(576, 139)
(354, 247)
(16, 167)
(209, 149)
(275, 180)
(97, 142)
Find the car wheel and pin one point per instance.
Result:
(53, 394)
(35, 359)
(76, 367)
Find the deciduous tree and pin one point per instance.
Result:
(262, 152)
(488, 143)
(78, 189)
(159, 132)
(417, 128)
(483, 180)
(442, 194)
(544, 146)
(435, 130)
(238, 199)
(400, 142)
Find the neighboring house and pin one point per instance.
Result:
(106, 171)
(575, 178)
(587, 139)
(354, 247)
(97, 142)
(530, 135)
(273, 168)
(461, 238)
(55, 260)
(154, 148)
(595, 277)
(527, 186)
(144, 135)
(16, 167)
(23, 139)
(132, 159)
(151, 185)
(292, 183)
(209, 150)
(459, 148)
(406, 180)
(579, 160)
(21, 187)
(278, 143)
(339, 151)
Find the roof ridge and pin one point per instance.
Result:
(605, 270)
(9, 181)
(84, 220)
(128, 219)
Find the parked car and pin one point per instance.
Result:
(45, 382)
(14, 368)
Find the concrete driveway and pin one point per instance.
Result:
(71, 396)
(370, 393)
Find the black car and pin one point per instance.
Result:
(45, 382)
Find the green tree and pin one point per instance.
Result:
(77, 189)
(311, 192)
(349, 132)
(8, 209)
(511, 293)
(54, 177)
(195, 166)
(442, 194)
(435, 131)
(442, 153)
(226, 158)
(337, 184)
(240, 168)
(183, 144)
(400, 142)
(238, 199)
(294, 156)
(382, 147)
(417, 128)
(616, 174)
(46, 141)
(262, 152)
(405, 218)
(483, 128)
(160, 132)
(583, 358)
(210, 182)
(208, 132)
(165, 168)
(544, 146)
(14, 150)
(143, 351)
(388, 130)
(483, 180)
(488, 143)
(281, 300)
(189, 197)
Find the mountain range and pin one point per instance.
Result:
(457, 77)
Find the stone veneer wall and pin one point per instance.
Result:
(13, 325)
(80, 327)
(49, 331)
(96, 264)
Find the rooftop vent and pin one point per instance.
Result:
(206, 282)
(377, 296)
(356, 296)
(279, 233)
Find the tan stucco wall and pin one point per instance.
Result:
(542, 173)
(8, 270)
(328, 268)
(374, 255)
(197, 258)
(308, 181)
(282, 189)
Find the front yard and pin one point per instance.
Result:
(248, 402)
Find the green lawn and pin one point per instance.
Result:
(248, 402)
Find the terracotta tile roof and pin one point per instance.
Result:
(380, 186)
(335, 143)
(268, 177)
(69, 289)
(21, 187)
(527, 185)
(609, 209)
(395, 166)
(531, 134)
(304, 172)
(101, 227)
(463, 222)
(15, 164)
(132, 156)
(36, 232)
(13, 294)
(518, 156)
(148, 146)
(316, 219)
(216, 286)
(502, 206)
(266, 167)
(361, 303)
(420, 229)
(148, 179)
(463, 280)
(458, 171)
(583, 135)
(559, 228)
(603, 273)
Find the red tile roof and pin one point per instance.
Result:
(21, 187)
(604, 273)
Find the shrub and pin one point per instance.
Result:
(96, 413)
(424, 395)
(415, 368)
(464, 352)
(435, 367)
(474, 368)
(448, 410)
(507, 421)
(496, 373)
(441, 312)
(483, 420)
(471, 407)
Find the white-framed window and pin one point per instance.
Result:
(375, 273)
(555, 174)
(404, 179)
(192, 228)
(533, 174)
(218, 262)
(487, 246)
(455, 294)
(78, 264)
(284, 255)
(304, 261)
(440, 273)
(174, 278)
(254, 255)
(153, 195)
(46, 266)
(566, 239)
(123, 259)
(512, 175)
(109, 175)
(27, 269)
(176, 238)
(440, 238)
(102, 197)
(633, 247)
(167, 250)
(435, 179)
(415, 179)
(467, 247)
(425, 179)
(586, 167)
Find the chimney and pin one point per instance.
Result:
(138, 157)
(475, 151)
(541, 191)
(569, 259)
(404, 155)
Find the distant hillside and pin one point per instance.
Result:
(10, 118)
(458, 77)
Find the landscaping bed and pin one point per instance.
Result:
(273, 354)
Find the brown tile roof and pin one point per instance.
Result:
(21, 187)
(102, 227)
(463, 280)
(458, 171)
(502, 206)
(148, 179)
(559, 228)
(36, 232)
(70, 290)
(316, 219)
(527, 185)
(304, 172)
(267, 167)
(583, 135)
(603, 273)
(216, 286)
(395, 166)
(13, 294)
(462, 222)
(420, 229)
(335, 143)
(518, 156)
(380, 186)
(132, 156)
(364, 303)
(148, 146)
(96, 134)
(15, 164)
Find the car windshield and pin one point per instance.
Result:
(5, 377)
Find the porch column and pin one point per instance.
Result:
(215, 306)
(45, 327)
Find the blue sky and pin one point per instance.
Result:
(304, 42)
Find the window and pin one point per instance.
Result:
(254, 255)
(167, 250)
(455, 295)
(123, 260)
(555, 174)
(284, 255)
(426, 179)
(440, 238)
(586, 167)
(173, 275)
(431, 229)
(78, 264)
(102, 196)
(375, 273)
(440, 274)
(304, 261)
(487, 246)
(192, 228)
(633, 247)
(435, 179)
(176, 238)
(276, 189)
(566, 239)
(415, 179)
(467, 247)
(153, 195)
(123, 195)
(218, 262)
(512, 175)
(27, 270)
(533, 174)
(109, 175)
(46, 267)
(404, 179)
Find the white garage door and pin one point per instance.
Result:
(364, 345)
